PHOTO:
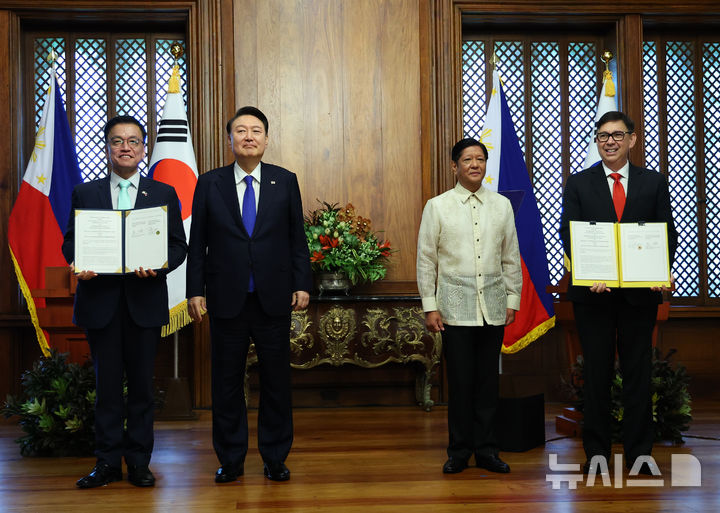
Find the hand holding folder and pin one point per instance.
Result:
(620, 254)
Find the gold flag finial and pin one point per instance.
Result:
(177, 51)
(52, 56)
(606, 57)
(494, 60)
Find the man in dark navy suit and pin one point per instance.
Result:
(123, 314)
(248, 267)
(621, 319)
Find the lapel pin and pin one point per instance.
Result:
(144, 193)
(272, 182)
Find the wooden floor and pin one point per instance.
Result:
(358, 460)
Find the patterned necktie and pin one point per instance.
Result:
(618, 195)
(123, 196)
(248, 216)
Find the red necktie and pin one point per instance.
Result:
(618, 195)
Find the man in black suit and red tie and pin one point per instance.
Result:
(620, 319)
(248, 267)
(123, 314)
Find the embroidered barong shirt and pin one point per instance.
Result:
(468, 260)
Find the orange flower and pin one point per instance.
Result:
(385, 248)
(347, 213)
(328, 242)
(363, 225)
(317, 256)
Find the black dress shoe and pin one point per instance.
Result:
(100, 475)
(228, 473)
(275, 471)
(140, 475)
(492, 463)
(454, 466)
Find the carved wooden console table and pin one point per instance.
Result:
(367, 331)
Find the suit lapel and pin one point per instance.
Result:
(267, 191)
(103, 192)
(227, 190)
(635, 181)
(600, 184)
(144, 196)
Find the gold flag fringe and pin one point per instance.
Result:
(609, 84)
(42, 340)
(174, 82)
(530, 337)
(179, 317)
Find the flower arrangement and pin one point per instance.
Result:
(339, 240)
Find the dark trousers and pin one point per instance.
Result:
(230, 343)
(471, 359)
(124, 349)
(603, 329)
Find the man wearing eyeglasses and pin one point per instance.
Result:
(122, 314)
(621, 319)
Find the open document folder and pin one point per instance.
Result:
(620, 254)
(120, 241)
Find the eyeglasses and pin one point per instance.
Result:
(117, 142)
(617, 136)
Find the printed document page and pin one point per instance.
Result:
(146, 238)
(98, 241)
(644, 254)
(594, 253)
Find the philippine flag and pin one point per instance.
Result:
(42, 207)
(506, 171)
(173, 162)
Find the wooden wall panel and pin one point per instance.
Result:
(8, 284)
(363, 129)
(340, 83)
(401, 194)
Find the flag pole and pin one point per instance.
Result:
(177, 51)
(494, 61)
(178, 402)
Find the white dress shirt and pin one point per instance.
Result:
(624, 174)
(132, 190)
(241, 185)
(468, 259)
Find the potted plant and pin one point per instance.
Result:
(671, 408)
(344, 250)
(56, 408)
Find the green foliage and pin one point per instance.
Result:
(671, 408)
(341, 241)
(56, 408)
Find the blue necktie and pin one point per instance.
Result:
(248, 217)
(124, 196)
